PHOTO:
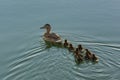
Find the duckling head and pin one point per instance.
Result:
(47, 27)
(93, 55)
(86, 50)
(65, 41)
(80, 46)
(77, 50)
(71, 45)
(94, 58)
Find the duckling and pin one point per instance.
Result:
(88, 55)
(71, 48)
(87, 51)
(78, 57)
(65, 43)
(77, 53)
(94, 58)
(80, 47)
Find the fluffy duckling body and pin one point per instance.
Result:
(87, 51)
(71, 48)
(81, 49)
(78, 56)
(88, 55)
(94, 58)
(77, 53)
(78, 59)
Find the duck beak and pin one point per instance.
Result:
(42, 27)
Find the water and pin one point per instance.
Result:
(23, 53)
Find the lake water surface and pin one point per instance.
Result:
(92, 23)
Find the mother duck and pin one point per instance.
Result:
(50, 37)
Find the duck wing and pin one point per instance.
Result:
(54, 36)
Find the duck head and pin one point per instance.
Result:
(47, 27)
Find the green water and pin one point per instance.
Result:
(94, 24)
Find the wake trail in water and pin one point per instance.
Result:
(102, 43)
(17, 63)
(41, 61)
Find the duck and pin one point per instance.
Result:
(71, 48)
(94, 58)
(50, 36)
(65, 43)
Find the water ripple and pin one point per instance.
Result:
(39, 62)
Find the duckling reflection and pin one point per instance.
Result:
(50, 37)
